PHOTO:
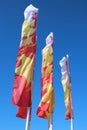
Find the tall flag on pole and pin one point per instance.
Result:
(66, 82)
(24, 71)
(46, 106)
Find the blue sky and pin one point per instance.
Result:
(67, 19)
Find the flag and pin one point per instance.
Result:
(24, 71)
(46, 105)
(66, 82)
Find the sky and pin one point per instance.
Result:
(67, 19)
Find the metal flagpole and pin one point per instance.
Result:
(71, 120)
(72, 126)
(28, 120)
(50, 123)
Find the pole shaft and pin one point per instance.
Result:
(28, 120)
(50, 123)
(72, 126)
(72, 123)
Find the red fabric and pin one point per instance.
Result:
(21, 92)
(44, 91)
(33, 37)
(24, 37)
(22, 112)
(27, 50)
(41, 112)
(69, 115)
(18, 62)
(46, 79)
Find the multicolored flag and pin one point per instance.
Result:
(46, 105)
(66, 82)
(24, 71)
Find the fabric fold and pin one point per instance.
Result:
(46, 106)
(24, 71)
(66, 82)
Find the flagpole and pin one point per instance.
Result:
(28, 120)
(50, 123)
(72, 121)
(72, 126)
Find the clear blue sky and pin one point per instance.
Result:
(67, 19)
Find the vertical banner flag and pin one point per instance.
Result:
(66, 82)
(24, 71)
(46, 105)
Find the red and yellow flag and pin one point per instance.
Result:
(23, 78)
(66, 86)
(46, 105)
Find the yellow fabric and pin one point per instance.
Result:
(67, 87)
(47, 99)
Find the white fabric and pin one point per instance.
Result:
(49, 39)
(49, 42)
(28, 13)
(63, 65)
(64, 69)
